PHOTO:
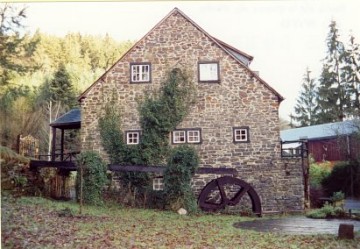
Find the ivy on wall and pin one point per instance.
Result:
(160, 113)
(91, 178)
(181, 166)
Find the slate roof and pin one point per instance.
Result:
(317, 132)
(69, 120)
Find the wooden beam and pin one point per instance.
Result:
(137, 168)
(220, 171)
(129, 168)
(62, 146)
(53, 144)
(161, 169)
(35, 164)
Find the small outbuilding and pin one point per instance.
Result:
(327, 142)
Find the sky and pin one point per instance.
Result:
(284, 37)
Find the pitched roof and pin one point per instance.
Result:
(231, 51)
(242, 56)
(323, 131)
(69, 120)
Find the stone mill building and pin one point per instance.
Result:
(234, 123)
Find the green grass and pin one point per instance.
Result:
(32, 222)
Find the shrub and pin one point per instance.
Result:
(338, 196)
(327, 211)
(344, 177)
(94, 177)
(181, 166)
(15, 173)
(318, 172)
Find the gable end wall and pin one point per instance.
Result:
(238, 100)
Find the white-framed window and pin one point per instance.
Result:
(140, 73)
(191, 136)
(179, 137)
(132, 137)
(208, 72)
(241, 134)
(158, 183)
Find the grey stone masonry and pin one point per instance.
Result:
(239, 99)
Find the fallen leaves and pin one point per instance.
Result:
(35, 223)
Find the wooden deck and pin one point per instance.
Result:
(68, 165)
(64, 161)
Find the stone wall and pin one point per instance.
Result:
(240, 99)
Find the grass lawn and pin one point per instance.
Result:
(32, 222)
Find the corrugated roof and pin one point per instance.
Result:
(69, 120)
(322, 131)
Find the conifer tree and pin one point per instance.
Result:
(306, 108)
(333, 97)
(351, 72)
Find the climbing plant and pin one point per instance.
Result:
(111, 134)
(92, 178)
(181, 166)
(160, 112)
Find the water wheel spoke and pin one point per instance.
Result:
(220, 185)
(235, 200)
(210, 206)
(214, 196)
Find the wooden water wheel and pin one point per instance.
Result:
(225, 191)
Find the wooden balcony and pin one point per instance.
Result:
(65, 161)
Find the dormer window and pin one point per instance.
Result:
(208, 72)
(140, 72)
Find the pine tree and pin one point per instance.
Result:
(61, 88)
(333, 97)
(306, 108)
(56, 96)
(351, 72)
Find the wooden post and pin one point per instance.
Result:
(62, 145)
(53, 144)
(346, 231)
(81, 187)
(18, 144)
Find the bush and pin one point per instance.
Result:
(344, 177)
(327, 211)
(338, 196)
(15, 173)
(181, 166)
(318, 172)
(94, 177)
